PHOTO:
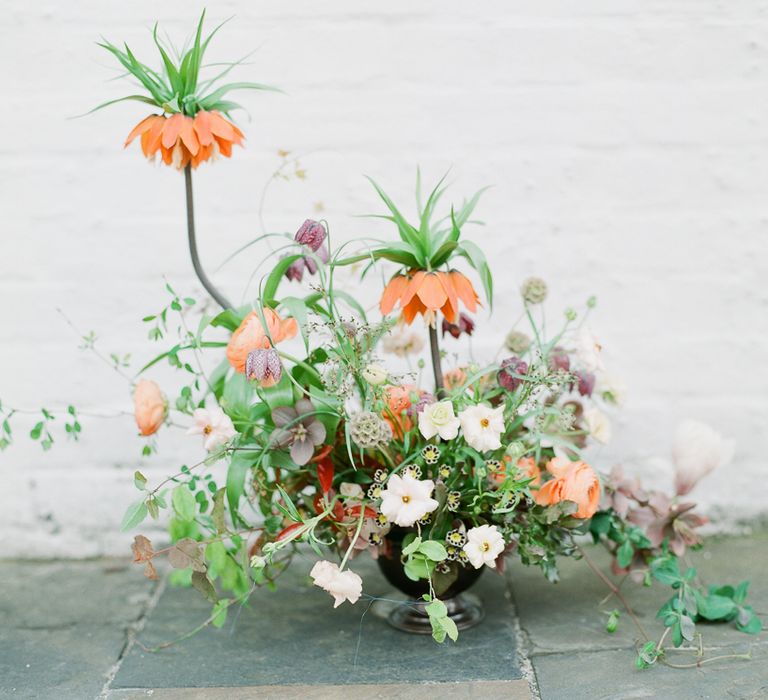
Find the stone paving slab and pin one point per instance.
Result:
(574, 657)
(294, 635)
(63, 625)
(479, 690)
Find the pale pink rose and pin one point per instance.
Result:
(342, 585)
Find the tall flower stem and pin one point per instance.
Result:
(436, 366)
(220, 299)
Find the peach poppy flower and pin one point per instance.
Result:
(573, 481)
(251, 335)
(425, 293)
(182, 140)
(398, 400)
(454, 378)
(149, 406)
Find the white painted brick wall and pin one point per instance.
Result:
(626, 141)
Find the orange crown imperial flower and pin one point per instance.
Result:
(182, 140)
(422, 292)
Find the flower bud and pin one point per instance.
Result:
(515, 450)
(311, 234)
(264, 365)
(465, 324)
(375, 375)
(534, 290)
(586, 383)
(258, 562)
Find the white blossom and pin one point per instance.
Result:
(482, 426)
(214, 425)
(484, 544)
(406, 499)
(439, 419)
(598, 425)
(342, 585)
(589, 351)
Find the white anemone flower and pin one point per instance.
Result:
(214, 425)
(407, 499)
(439, 419)
(482, 426)
(484, 544)
(589, 351)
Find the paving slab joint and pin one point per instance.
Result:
(132, 631)
(524, 645)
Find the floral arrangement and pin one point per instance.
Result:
(313, 434)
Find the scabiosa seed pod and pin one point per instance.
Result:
(367, 429)
(534, 290)
(311, 234)
(586, 383)
(517, 342)
(509, 368)
(264, 366)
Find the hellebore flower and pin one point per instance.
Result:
(149, 406)
(298, 428)
(264, 366)
(509, 368)
(464, 325)
(214, 425)
(484, 545)
(406, 499)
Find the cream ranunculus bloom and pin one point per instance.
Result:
(598, 425)
(439, 419)
(342, 585)
(484, 544)
(482, 426)
(407, 499)
(697, 450)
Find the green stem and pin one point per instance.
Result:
(436, 365)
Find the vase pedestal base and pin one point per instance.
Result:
(465, 610)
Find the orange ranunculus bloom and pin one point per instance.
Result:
(529, 469)
(573, 481)
(398, 400)
(182, 140)
(149, 406)
(422, 292)
(251, 335)
(454, 378)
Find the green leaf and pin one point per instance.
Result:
(184, 503)
(436, 609)
(753, 625)
(476, 259)
(212, 98)
(408, 233)
(433, 550)
(128, 98)
(139, 480)
(229, 319)
(275, 277)
(236, 473)
(450, 627)
(219, 613)
(714, 607)
(202, 583)
(218, 514)
(666, 570)
(134, 515)
(410, 548)
(624, 554)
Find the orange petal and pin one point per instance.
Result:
(225, 147)
(288, 329)
(450, 290)
(202, 126)
(144, 125)
(412, 288)
(151, 140)
(431, 292)
(188, 136)
(221, 127)
(410, 311)
(171, 130)
(392, 292)
(464, 289)
(550, 493)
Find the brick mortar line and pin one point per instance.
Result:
(131, 633)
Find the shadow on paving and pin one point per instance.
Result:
(294, 636)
